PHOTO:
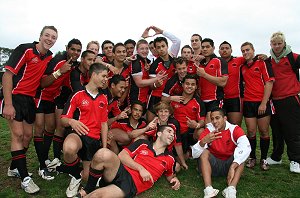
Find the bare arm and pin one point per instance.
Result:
(218, 81)
(7, 82)
(267, 92)
(104, 131)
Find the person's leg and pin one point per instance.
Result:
(263, 127)
(110, 191)
(237, 175)
(38, 140)
(49, 132)
(205, 168)
(277, 138)
(119, 137)
(86, 169)
(58, 138)
(251, 124)
(235, 118)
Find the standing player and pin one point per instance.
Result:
(21, 79)
(258, 78)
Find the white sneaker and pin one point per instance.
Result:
(229, 192)
(209, 192)
(273, 162)
(45, 174)
(15, 173)
(47, 162)
(73, 187)
(294, 167)
(52, 165)
(29, 186)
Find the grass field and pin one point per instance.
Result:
(275, 183)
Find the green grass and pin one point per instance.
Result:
(275, 183)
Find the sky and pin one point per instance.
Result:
(235, 21)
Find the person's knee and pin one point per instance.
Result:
(103, 154)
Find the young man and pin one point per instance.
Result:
(125, 131)
(190, 113)
(134, 170)
(258, 78)
(223, 148)
(164, 63)
(233, 89)
(196, 40)
(44, 125)
(187, 52)
(213, 77)
(285, 122)
(173, 88)
(84, 141)
(129, 45)
(20, 81)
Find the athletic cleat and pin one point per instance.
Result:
(264, 165)
(52, 165)
(251, 163)
(29, 186)
(45, 174)
(209, 192)
(15, 173)
(73, 187)
(47, 162)
(273, 162)
(229, 192)
(294, 167)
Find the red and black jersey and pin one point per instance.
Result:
(113, 104)
(191, 68)
(215, 67)
(194, 109)
(125, 71)
(28, 67)
(224, 147)
(142, 152)
(92, 111)
(137, 68)
(176, 127)
(255, 75)
(173, 87)
(160, 65)
(52, 91)
(234, 88)
(286, 84)
(78, 79)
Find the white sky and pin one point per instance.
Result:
(236, 21)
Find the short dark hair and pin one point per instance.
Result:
(210, 41)
(116, 79)
(160, 39)
(97, 68)
(137, 102)
(200, 38)
(117, 45)
(225, 42)
(106, 42)
(187, 46)
(86, 52)
(247, 43)
(74, 41)
(51, 27)
(151, 42)
(222, 111)
(130, 41)
(180, 60)
(190, 76)
(161, 128)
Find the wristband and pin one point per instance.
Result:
(154, 85)
(107, 65)
(57, 74)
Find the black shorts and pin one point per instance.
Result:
(153, 100)
(89, 147)
(24, 107)
(233, 105)
(45, 106)
(61, 100)
(250, 110)
(212, 104)
(187, 140)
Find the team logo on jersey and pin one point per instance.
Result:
(176, 106)
(256, 69)
(234, 65)
(85, 103)
(211, 66)
(194, 109)
(144, 152)
(101, 104)
(34, 60)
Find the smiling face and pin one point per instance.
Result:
(87, 61)
(163, 115)
(107, 49)
(181, 70)
(143, 50)
(248, 52)
(218, 120)
(136, 111)
(47, 40)
(100, 79)
(167, 135)
(120, 54)
(94, 48)
(74, 51)
(189, 86)
(277, 46)
(129, 49)
(118, 89)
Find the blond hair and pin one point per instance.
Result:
(277, 36)
(93, 42)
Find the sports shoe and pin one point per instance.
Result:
(264, 165)
(273, 162)
(47, 162)
(251, 163)
(209, 191)
(52, 165)
(73, 187)
(15, 173)
(45, 174)
(229, 192)
(294, 167)
(29, 186)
